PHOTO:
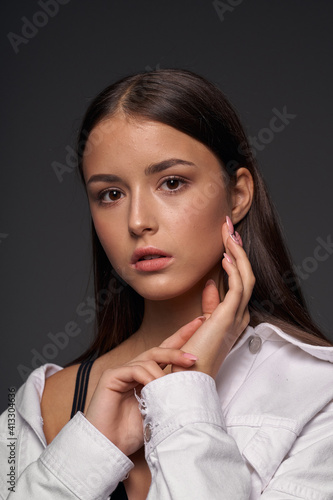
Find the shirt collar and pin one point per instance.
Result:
(274, 333)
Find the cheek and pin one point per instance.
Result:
(204, 216)
(199, 235)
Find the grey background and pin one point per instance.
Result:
(262, 54)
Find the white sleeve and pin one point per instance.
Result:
(188, 451)
(80, 463)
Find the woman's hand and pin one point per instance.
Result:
(113, 409)
(226, 320)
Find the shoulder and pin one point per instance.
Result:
(292, 371)
(27, 402)
(277, 375)
(45, 400)
(57, 400)
(58, 395)
(275, 335)
(289, 362)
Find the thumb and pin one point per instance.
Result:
(178, 339)
(210, 298)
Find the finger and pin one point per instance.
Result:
(125, 378)
(144, 371)
(233, 310)
(236, 252)
(242, 263)
(229, 306)
(210, 298)
(165, 356)
(178, 339)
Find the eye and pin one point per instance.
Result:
(174, 184)
(109, 196)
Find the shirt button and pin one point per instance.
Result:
(255, 344)
(147, 433)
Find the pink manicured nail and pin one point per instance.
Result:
(227, 257)
(202, 318)
(239, 238)
(190, 356)
(210, 282)
(230, 225)
(235, 239)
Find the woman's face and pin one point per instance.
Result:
(155, 191)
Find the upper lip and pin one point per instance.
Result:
(142, 252)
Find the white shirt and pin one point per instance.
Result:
(264, 430)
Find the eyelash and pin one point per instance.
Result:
(175, 178)
(171, 192)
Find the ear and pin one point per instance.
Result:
(242, 195)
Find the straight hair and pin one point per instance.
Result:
(191, 104)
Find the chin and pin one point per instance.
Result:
(157, 295)
(164, 291)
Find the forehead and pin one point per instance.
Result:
(120, 142)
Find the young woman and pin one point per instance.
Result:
(207, 377)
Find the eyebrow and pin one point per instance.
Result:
(150, 170)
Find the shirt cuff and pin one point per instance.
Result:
(86, 461)
(176, 400)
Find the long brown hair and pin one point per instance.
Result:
(193, 105)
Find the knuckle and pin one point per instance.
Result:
(150, 364)
(252, 280)
(245, 322)
(138, 370)
(239, 288)
(107, 374)
(154, 351)
(106, 377)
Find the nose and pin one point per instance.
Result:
(142, 215)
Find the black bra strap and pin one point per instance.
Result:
(81, 386)
(80, 394)
(119, 493)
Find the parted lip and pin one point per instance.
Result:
(142, 252)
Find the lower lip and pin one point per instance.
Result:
(153, 264)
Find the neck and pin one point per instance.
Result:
(163, 318)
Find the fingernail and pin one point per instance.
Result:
(239, 238)
(235, 239)
(227, 257)
(210, 282)
(202, 318)
(230, 225)
(190, 356)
